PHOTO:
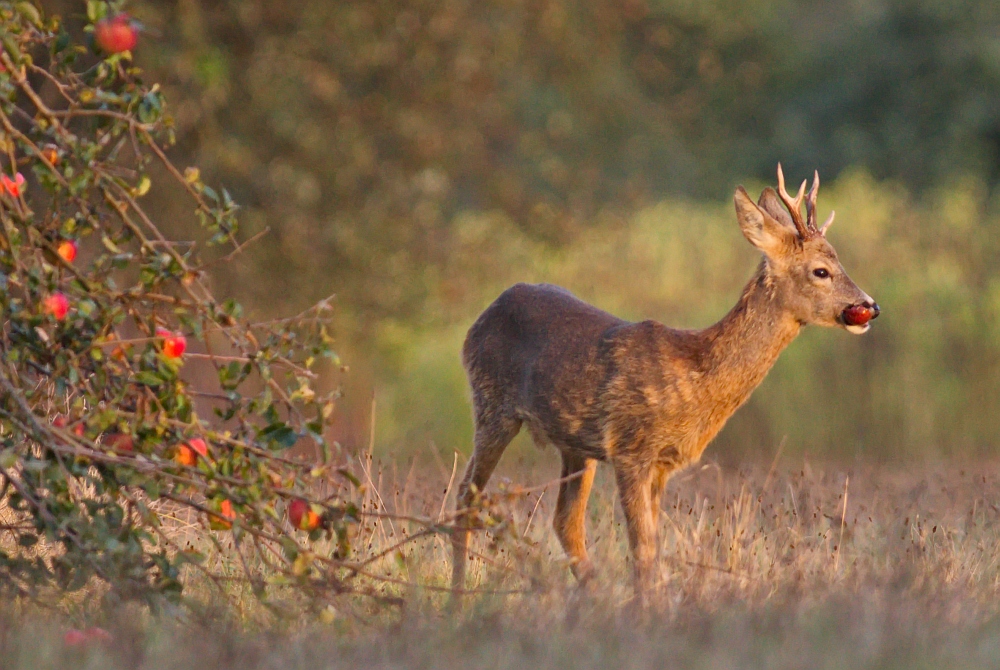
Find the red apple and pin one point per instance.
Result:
(198, 445)
(57, 305)
(61, 421)
(15, 186)
(185, 455)
(120, 442)
(174, 344)
(857, 315)
(67, 250)
(116, 34)
(302, 516)
(173, 347)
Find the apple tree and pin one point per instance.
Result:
(106, 434)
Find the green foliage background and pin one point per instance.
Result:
(416, 157)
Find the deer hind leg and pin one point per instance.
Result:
(571, 511)
(634, 491)
(493, 434)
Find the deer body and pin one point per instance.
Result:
(644, 397)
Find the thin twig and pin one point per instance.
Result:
(843, 520)
(447, 490)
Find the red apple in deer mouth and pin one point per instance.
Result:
(857, 315)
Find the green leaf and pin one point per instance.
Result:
(148, 378)
(279, 434)
(96, 10)
(30, 12)
(61, 42)
(110, 245)
(8, 458)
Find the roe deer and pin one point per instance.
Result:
(642, 396)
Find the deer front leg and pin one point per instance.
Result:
(493, 434)
(634, 491)
(571, 511)
(657, 482)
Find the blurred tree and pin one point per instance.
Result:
(357, 131)
(908, 88)
(362, 133)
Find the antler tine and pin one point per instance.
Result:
(794, 205)
(811, 202)
(827, 223)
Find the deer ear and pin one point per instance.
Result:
(760, 228)
(770, 203)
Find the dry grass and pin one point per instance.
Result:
(761, 568)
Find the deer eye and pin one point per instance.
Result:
(822, 273)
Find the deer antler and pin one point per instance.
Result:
(811, 208)
(807, 228)
(794, 205)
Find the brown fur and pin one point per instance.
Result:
(644, 397)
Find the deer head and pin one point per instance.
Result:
(801, 265)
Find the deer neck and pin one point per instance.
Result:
(742, 347)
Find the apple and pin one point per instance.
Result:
(50, 152)
(174, 344)
(199, 445)
(13, 186)
(857, 315)
(116, 34)
(224, 519)
(302, 516)
(120, 442)
(67, 251)
(173, 347)
(61, 421)
(57, 305)
(187, 453)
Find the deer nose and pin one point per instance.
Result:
(873, 306)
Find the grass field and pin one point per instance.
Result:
(761, 567)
